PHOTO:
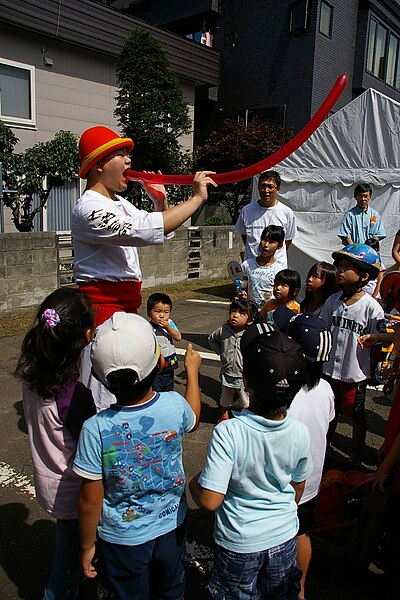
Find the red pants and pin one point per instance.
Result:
(109, 297)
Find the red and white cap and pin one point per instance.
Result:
(97, 142)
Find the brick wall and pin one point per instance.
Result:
(29, 262)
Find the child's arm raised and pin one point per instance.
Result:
(172, 329)
(89, 510)
(192, 395)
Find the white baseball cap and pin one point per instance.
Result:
(124, 341)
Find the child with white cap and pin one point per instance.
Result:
(107, 229)
(130, 459)
(254, 475)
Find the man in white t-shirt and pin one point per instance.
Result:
(268, 210)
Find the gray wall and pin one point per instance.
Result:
(29, 262)
(28, 269)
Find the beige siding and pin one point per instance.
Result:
(78, 91)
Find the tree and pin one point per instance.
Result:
(232, 147)
(35, 172)
(151, 108)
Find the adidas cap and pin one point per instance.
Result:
(272, 361)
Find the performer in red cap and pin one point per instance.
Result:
(106, 229)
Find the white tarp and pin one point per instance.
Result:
(360, 142)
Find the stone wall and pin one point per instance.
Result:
(28, 269)
(29, 262)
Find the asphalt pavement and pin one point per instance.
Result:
(27, 533)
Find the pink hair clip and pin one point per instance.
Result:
(51, 317)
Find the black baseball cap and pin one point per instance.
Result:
(273, 365)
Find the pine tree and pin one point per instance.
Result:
(151, 108)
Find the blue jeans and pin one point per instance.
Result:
(270, 574)
(66, 571)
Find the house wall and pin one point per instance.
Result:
(335, 55)
(77, 92)
(29, 262)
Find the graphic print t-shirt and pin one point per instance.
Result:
(137, 451)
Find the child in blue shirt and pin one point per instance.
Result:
(130, 459)
(255, 473)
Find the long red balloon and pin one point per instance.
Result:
(263, 165)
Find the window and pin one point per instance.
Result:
(383, 58)
(17, 92)
(298, 16)
(325, 19)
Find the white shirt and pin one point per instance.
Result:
(348, 361)
(254, 218)
(105, 235)
(316, 409)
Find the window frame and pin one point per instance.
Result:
(374, 26)
(328, 35)
(20, 121)
(304, 28)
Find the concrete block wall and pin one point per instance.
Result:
(194, 253)
(29, 262)
(28, 269)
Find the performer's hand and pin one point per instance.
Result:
(200, 182)
(157, 194)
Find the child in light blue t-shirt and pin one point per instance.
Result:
(255, 473)
(130, 459)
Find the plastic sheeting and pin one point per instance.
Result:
(360, 142)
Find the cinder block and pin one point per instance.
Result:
(20, 301)
(48, 282)
(44, 255)
(19, 257)
(19, 271)
(44, 268)
(44, 240)
(19, 286)
(17, 241)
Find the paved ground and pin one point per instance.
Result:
(27, 534)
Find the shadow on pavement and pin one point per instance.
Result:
(19, 409)
(26, 550)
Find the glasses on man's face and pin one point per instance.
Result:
(267, 186)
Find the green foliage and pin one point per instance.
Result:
(151, 107)
(233, 147)
(35, 172)
(215, 220)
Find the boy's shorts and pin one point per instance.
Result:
(272, 573)
(349, 397)
(306, 515)
(154, 569)
(164, 382)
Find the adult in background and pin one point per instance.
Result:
(268, 210)
(361, 222)
(107, 229)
